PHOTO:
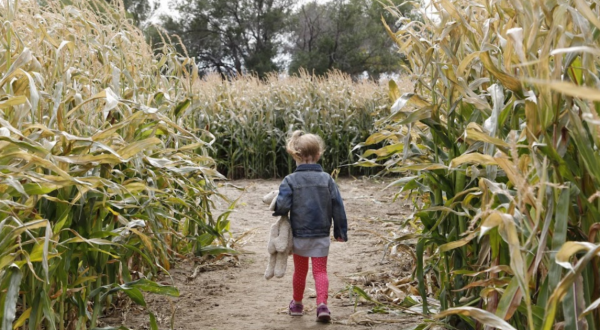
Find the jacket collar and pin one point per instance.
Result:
(309, 167)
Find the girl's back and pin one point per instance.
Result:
(313, 200)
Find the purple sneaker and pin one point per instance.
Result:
(295, 309)
(323, 314)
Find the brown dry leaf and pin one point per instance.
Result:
(459, 243)
(476, 158)
(582, 92)
(483, 137)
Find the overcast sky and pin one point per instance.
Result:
(164, 4)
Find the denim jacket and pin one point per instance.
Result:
(313, 200)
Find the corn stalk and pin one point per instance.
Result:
(499, 140)
(101, 185)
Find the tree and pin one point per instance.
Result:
(139, 10)
(343, 35)
(231, 37)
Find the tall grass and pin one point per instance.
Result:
(251, 118)
(499, 141)
(101, 185)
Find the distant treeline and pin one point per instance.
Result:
(264, 36)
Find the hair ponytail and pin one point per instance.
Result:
(292, 142)
(305, 146)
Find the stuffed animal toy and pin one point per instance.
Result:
(280, 241)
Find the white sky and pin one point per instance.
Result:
(163, 8)
(164, 4)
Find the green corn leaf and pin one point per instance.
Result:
(481, 316)
(362, 293)
(48, 310)
(181, 107)
(559, 237)
(216, 250)
(11, 297)
(136, 295)
(420, 274)
(22, 319)
(150, 286)
(572, 306)
(565, 285)
(153, 324)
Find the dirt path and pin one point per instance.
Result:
(233, 294)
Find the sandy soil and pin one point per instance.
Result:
(233, 294)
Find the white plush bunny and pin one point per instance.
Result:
(280, 241)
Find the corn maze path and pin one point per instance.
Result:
(232, 293)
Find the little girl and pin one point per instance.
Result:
(313, 200)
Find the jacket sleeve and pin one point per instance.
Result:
(340, 223)
(284, 199)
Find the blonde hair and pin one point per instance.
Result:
(305, 146)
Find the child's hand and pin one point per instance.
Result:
(339, 239)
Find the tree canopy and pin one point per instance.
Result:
(231, 37)
(140, 10)
(343, 35)
(263, 36)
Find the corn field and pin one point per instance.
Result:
(499, 144)
(251, 119)
(109, 150)
(102, 185)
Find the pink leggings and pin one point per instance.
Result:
(319, 267)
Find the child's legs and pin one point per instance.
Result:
(299, 278)
(319, 266)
